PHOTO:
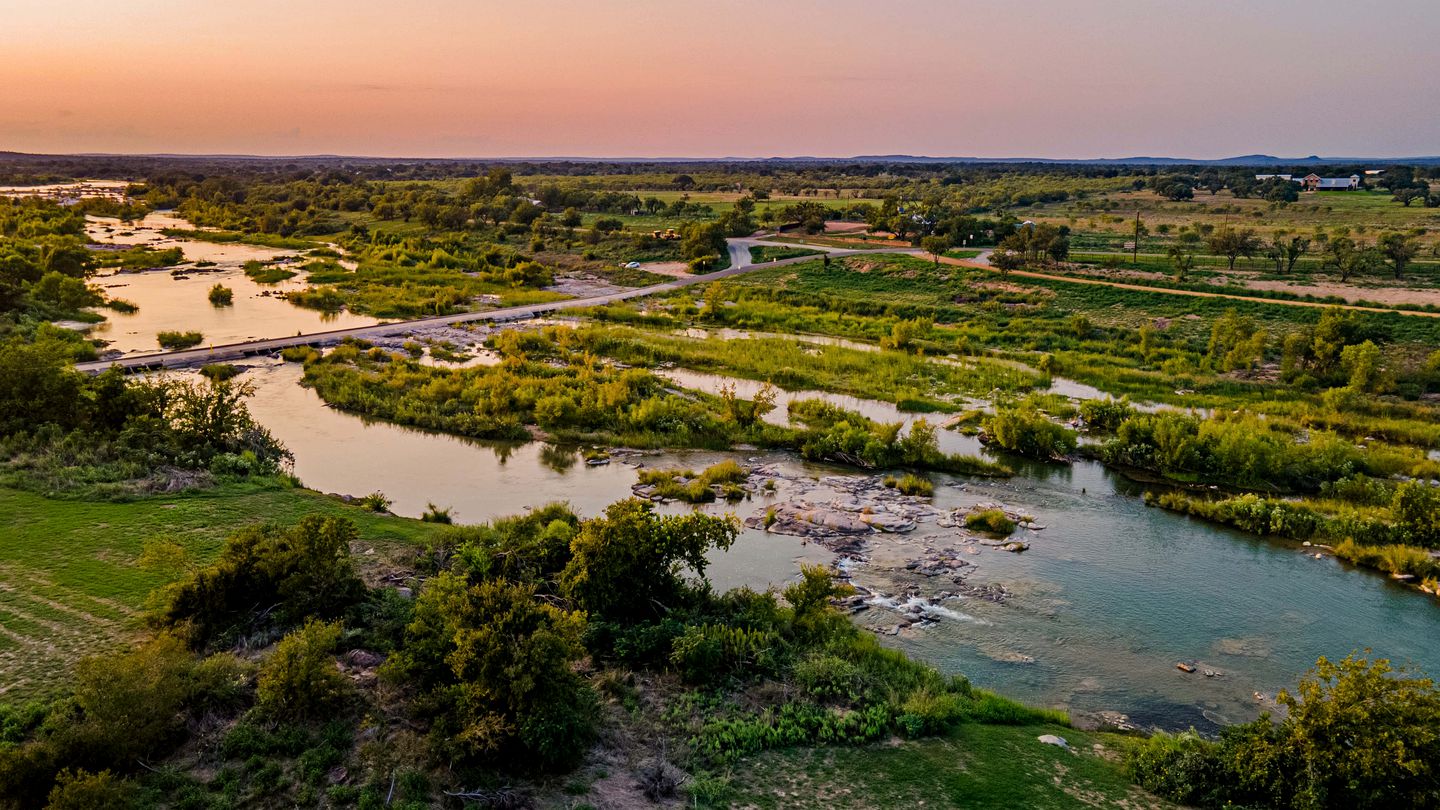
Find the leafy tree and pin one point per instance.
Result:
(1399, 248)
(702, 245)
(38, 386)
(1357, 734)
(630, 563)
(1232, 243)
(935, 246)
(1006, 260)
(130, 704)
(1367, 735)
(1416, 507)
(1349, 259)
(1236, 342)
(747, 413)
(1407, 195)
(1366, 368)
(1293, 249)
(1278, 189)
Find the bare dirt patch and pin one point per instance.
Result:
(1382, 295)
(672, 269)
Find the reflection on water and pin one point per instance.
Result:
(1108, 598)
(170, 303)
(1113, 594)
(338, 452)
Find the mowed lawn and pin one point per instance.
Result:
(70, 580)
(976, 766)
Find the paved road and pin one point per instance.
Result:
(739, 263)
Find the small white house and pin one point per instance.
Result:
(1314, 182)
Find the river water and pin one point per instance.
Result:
(1108, 598)
(181, 304)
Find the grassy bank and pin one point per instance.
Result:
(76, 582)
(974, 766)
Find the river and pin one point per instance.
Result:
(168, 302)
(1104, 603)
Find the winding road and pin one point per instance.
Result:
(739, 263)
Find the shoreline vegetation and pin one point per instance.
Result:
(1315, 425)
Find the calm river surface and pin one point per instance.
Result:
(181, 304)
(1108, 598)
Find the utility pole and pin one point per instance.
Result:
(1135, 246)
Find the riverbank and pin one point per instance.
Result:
(86, 580)
(1107, 598)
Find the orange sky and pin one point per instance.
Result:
(1048, 78)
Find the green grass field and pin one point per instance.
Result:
(977, 766)
(70, 580)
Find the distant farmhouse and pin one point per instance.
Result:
(1314, 182)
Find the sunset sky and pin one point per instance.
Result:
(477, 78)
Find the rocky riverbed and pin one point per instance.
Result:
(924, 554)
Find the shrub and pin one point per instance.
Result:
(300, 679)
(466, 645)
(220, 683)
(994, 521)
(435, 514)
(132, 703)
(1105, 415)
(302, 571)
(375, 502)
(1182, 767)
(299, 354)
(221, 296)
(710, 653)
(82, 790)
(910, 484)
(1026, 431)
(1356, 734)
(927, 712)
(179, 340)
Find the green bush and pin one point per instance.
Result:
(994, 521)
(300, 679)
(1027, 432)
(179, 340)
(709, 654)
(302, 571)
(1356, 734)
(221, 296)
(82, 790)
(910, 484)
